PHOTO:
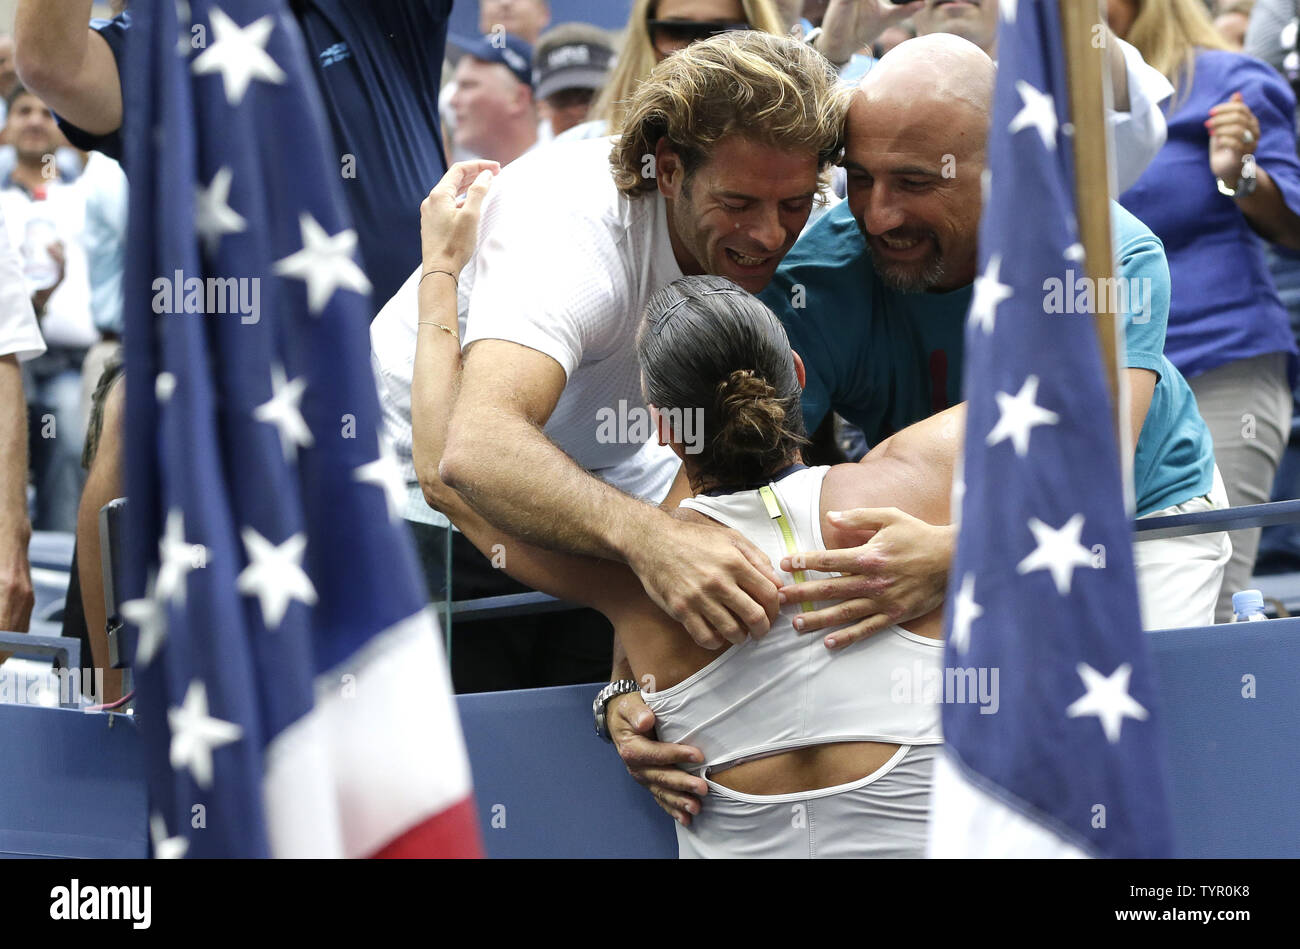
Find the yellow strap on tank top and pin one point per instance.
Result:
(787, 533)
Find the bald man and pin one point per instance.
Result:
(875, 296)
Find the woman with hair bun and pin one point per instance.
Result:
(807, 751)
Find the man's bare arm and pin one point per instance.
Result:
(898, 571)
(712, 581)
(16, 596)
(67, 64)
(508, 393)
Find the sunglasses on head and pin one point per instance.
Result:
(668, 36)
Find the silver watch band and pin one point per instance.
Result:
(598, 707)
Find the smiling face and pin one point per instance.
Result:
(975, 20)
(741, 211)
(914, 188)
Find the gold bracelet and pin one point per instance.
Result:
(430, 273)
(446, 329)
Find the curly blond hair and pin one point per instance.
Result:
(773, 89)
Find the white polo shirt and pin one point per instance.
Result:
(564, 266)
(20, 334)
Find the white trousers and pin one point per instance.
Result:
(1179, 577)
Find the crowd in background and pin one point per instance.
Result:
(529, 80)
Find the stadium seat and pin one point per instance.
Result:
(546, 786)
(72, 785)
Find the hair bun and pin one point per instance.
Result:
(752, 412)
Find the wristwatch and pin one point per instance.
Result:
(621, 687)
(1247, 181)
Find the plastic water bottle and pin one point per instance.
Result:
(1248, 606)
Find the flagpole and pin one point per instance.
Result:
(1081, 24)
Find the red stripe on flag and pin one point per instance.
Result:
(449, 834)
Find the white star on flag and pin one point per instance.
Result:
(164, 847)
(965, 612)
(239, 54)
(1075, 253)
(1107, 697)
(150, 618)
(1019, 414)
(325, 263)
(1058, 551)
(213, 216)
(195, 734)
(384, 474)
(284, 412)
(177, 558)
(1008, 10)
(1039, 110)
(274, 575)
(989, 293)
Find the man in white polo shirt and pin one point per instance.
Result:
(550, 439)
(580, 315)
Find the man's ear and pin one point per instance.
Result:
(669, 171)
(800, 373)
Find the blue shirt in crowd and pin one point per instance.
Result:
(885, 360)
(378, 67)
(1224, 306)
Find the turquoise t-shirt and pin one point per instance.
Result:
(884, 360)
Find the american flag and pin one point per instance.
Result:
(291, 687)
(1042, 587)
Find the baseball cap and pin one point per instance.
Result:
(572, 56)
(510, 51)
